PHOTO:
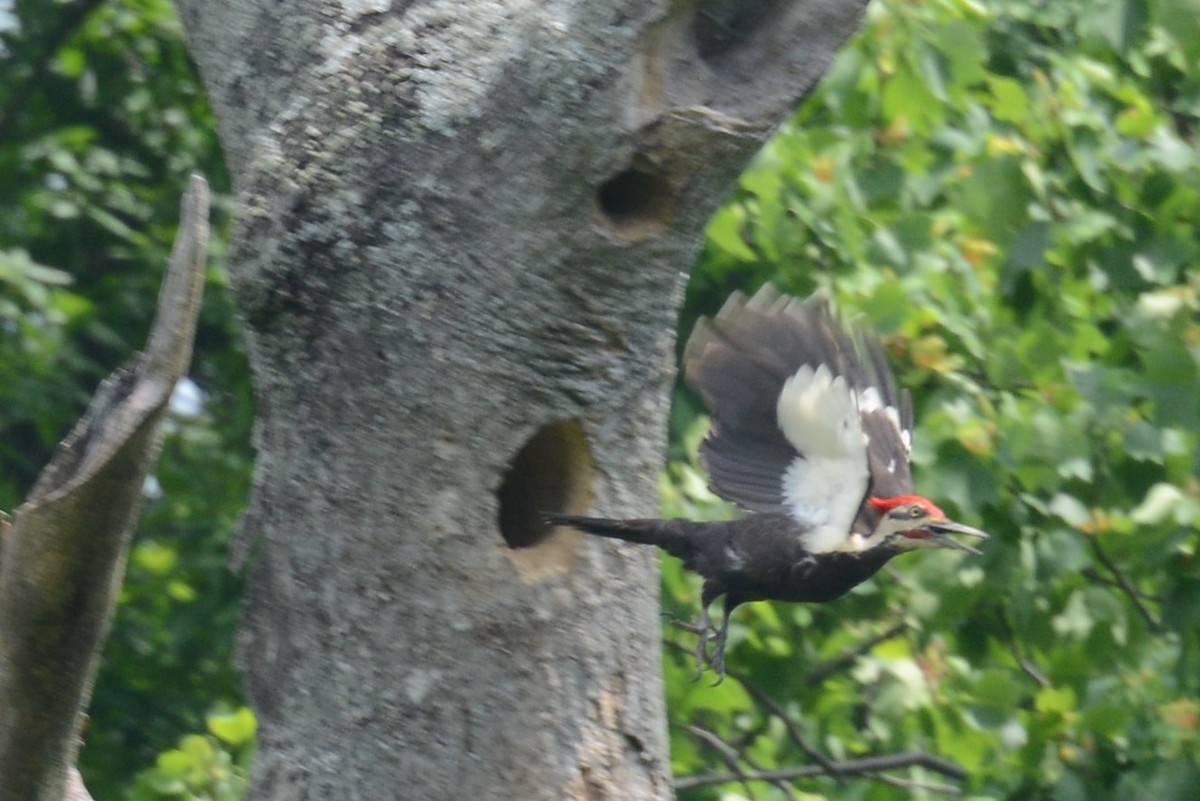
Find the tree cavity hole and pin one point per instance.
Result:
(724, 29)
(638, 202)
(552, 472)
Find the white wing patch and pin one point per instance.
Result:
(819, 416)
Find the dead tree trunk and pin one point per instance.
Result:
(462, 236)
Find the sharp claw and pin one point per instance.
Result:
(717, 663)
(703, 629)
(715, 660)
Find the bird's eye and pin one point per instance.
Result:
(915, 512)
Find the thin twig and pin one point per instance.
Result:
(850, 767)
(1004, 616)
(847, 658)
(913, 784)
(1093, 575)
(732, 756)
(1125, 586)
(868, 767)
(727, 753)
(778, 711)
(1027, 665)
(1031, 670)
(818, 675)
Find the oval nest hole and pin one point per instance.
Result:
(552, 472)
(637, 203)
(725, 30)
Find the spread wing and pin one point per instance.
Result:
(806, 419)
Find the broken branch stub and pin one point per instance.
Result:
(63, 558)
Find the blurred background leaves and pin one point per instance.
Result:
(102, 118)
(1008, 190)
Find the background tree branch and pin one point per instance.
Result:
(735, 753)
(848, 767)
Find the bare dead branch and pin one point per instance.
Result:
(773, 708)
(1093, 575)
(64, 556)
(1125, 586)
(1009, 637)
(733, 757)
(727, 753)
(850, 767)
(871, 767)
(792, 729)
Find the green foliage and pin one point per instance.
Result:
(211, 767)
(102, 118)
(1010, 191)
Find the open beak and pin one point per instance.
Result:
(942, 528)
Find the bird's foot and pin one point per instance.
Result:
(703, 629)
(717, 659)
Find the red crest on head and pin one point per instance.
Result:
(884, 504)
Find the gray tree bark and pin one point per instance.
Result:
(462, 235)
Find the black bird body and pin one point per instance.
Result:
(811, 437)
(755, 558)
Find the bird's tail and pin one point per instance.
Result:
(673, 536)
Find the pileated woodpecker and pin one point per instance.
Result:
(810, 435)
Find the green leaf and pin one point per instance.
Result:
(997, 195)
(1107, 718)
(1054, 699)
(725, 231)
(1008, 100)
(1120, 22)
(908, 99)
(1158, 506)
(999, 688)
(963, 45)
(1069, 509)
(1026, 252)
(174, 763)
(1075, 620)
(154, 557)
(235, 728)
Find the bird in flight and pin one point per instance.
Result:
(810, 436)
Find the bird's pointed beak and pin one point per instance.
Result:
(942, 528)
